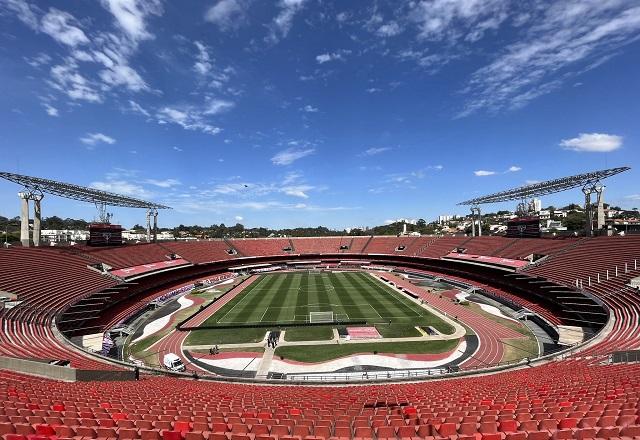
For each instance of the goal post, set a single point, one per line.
(315, 317)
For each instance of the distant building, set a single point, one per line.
(133, 235)
(544, 214)
(536, 205)
(64, 235)
(553, 225)
(165, 235)
(442, 219)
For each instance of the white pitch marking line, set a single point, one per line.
(241, 300)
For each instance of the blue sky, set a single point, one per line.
(306, 112)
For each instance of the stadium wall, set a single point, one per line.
(57, 372)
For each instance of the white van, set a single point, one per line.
(173, 362)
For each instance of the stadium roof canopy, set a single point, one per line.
(81, 193)
(548, 187)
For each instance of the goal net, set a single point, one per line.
(320, 317)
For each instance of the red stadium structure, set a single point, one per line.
(581, 393)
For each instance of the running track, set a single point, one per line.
(490, 350)
(172, 343)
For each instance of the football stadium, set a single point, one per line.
(503, 319)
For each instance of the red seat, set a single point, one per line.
(385, 432)
(106, 433)
(6, 428)
(630, 431)
(149, 434)
(508, 426)
(538, 435)
(340, 432)
(181, 426)
(568, 423)
(171, 435)
(447, 429)
(364, 432)
(279, 430)
(128, 433)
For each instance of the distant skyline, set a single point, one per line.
(293, 113)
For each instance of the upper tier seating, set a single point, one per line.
(204, 251)
(358, 244)
(45, 280)
(391, 245)
(129, 255)
(319, 245)
(261, 246)
(440, 246)
(487, 245)
(588, 258)
(523, 247)
(48, 278)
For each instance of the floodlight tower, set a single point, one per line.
(592, 211)
(152, 212)
(590, 183)
(36, 187)
(36, 195)
(476, 213)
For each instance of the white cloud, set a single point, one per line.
(405, 180)
(454, 20)
(166, 183)
(134, 106)
(227, 14)
(178, 149)
(297, 191)
(123, 75)
(63, 27)
(203, 64)
(593, 143)
(39, 60)
(25, 12)
(67, 79)
(291, 177)
(290, 155)
(51, 111)
(390, 29)
(216, 106)
(323, 58)
(373, 90)
(252, 190)
(188, 118)
(342, 17)
(130, 15)
(205, 68)
(374, 150)
(562, 41)
(484, 173)
(310, 109)
(239, 218)
(96, 138)
(511, 169)
(121, 187)
(332, 56)
(282, 23)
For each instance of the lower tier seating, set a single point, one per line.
(561, 400)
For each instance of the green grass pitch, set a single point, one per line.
(289, 297)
